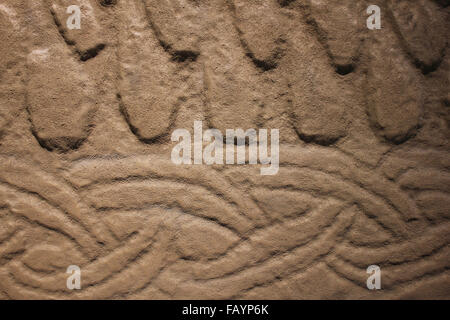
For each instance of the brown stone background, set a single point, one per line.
(85, 171)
